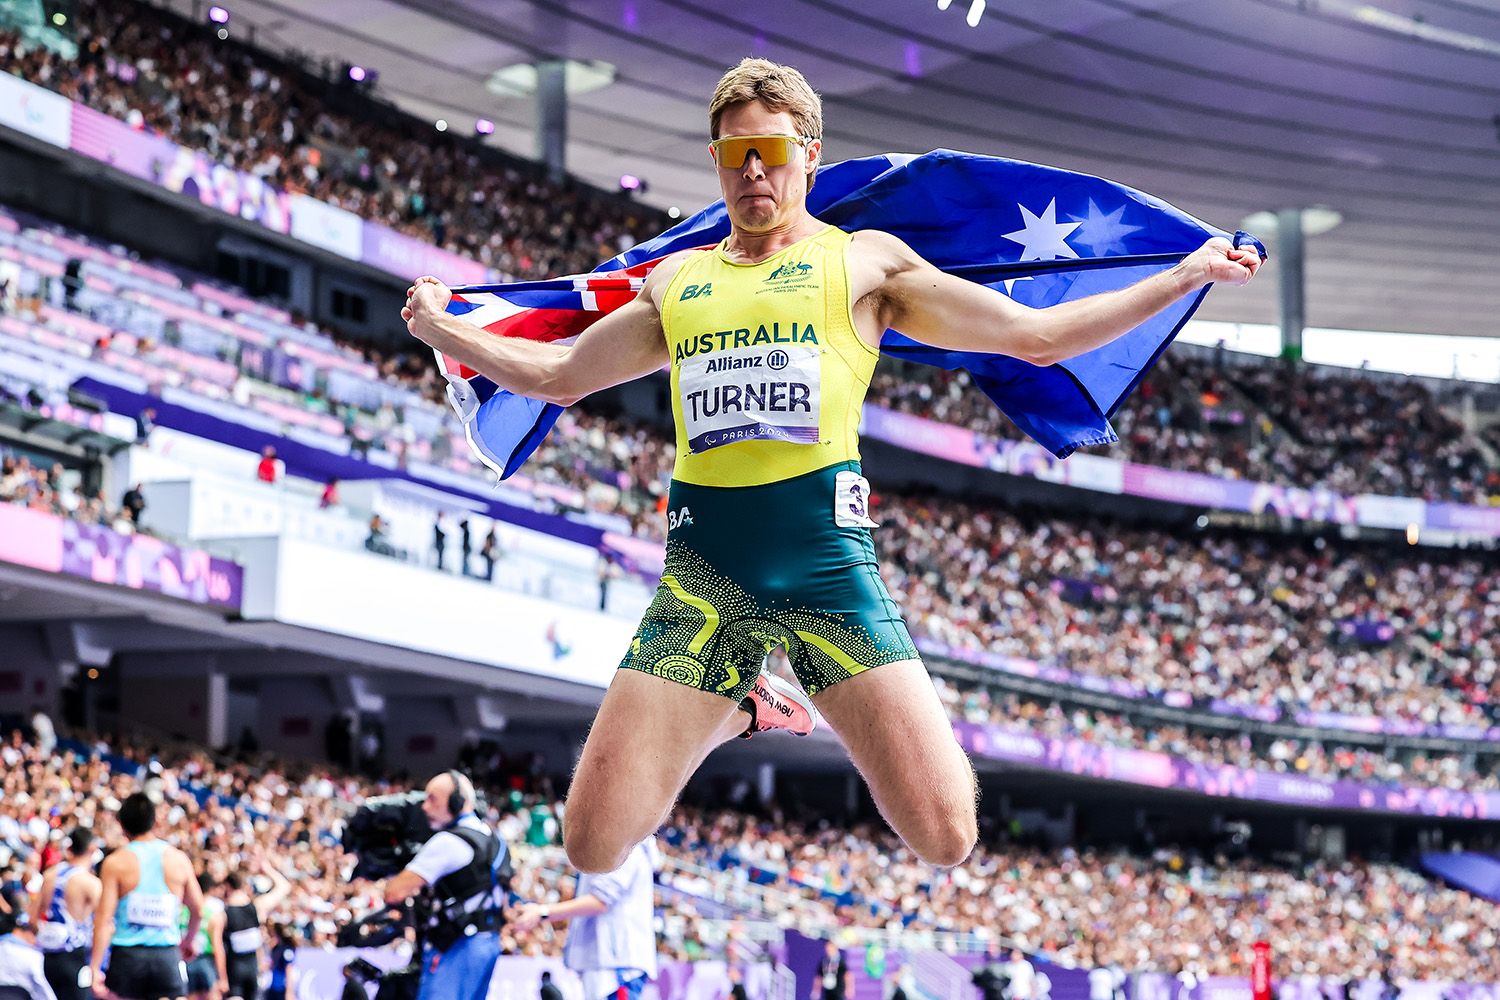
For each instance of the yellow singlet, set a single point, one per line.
(768, 374)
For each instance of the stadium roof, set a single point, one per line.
(1386, 111)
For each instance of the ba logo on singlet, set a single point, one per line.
(697, 291)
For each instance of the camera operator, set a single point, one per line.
(460, 878)
(993, 978)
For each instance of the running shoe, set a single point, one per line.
(777, 704)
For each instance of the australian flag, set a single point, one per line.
(1038, 234)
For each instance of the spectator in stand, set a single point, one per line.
(135, 502)
(439, 540)
(465, 547)
(72, 282)
(145, 423)
(376, 541)
(269, 469)
(489, 552)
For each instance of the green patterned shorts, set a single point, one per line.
(752, 568)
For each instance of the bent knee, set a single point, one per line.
(946, 842)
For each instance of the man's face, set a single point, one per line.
(761, 197)
(435, 806)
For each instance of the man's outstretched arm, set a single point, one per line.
(945, 311)
(624, 345)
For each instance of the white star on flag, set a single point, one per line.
(1043, 238)
(1101, 231)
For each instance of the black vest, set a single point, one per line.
(243, 917)
(446, 920)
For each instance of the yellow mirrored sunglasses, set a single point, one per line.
(773, 150)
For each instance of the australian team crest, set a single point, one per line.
(793, 272)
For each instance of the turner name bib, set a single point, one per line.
(751, 394)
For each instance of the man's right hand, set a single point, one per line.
(427, 297)
(527, 916)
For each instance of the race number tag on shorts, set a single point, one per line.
(245, 940)
(152, 909)
(51, 936)
(751, 394)
(851, 501)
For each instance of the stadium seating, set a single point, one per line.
(1074, 906)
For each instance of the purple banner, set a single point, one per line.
(109, 140)
(1160, 770)
(1121, 688)
(1117, 686)
(1192, 488)
(1162, 986)
(1359, 723)
(163, 162)
(1460, 517)
(320, 976)
(1260, 713)
(140, 562)
(705, 981)
(410, 258)
(1372, 632)
(1317, 504)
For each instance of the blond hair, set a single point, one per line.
(779, 88)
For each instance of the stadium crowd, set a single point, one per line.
(55, 490)
(247, 109)
(243, 106)
(1251, 620)
(1255, 420)
(1308, 757)
(1079, 906)
(1170, 911)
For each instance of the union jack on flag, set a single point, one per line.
(1069, 235)
(554, 311)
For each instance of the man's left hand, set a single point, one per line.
(1219, 260)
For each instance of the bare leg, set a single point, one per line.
(900, 739)
(649, 737)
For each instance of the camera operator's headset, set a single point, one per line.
(456, 797)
